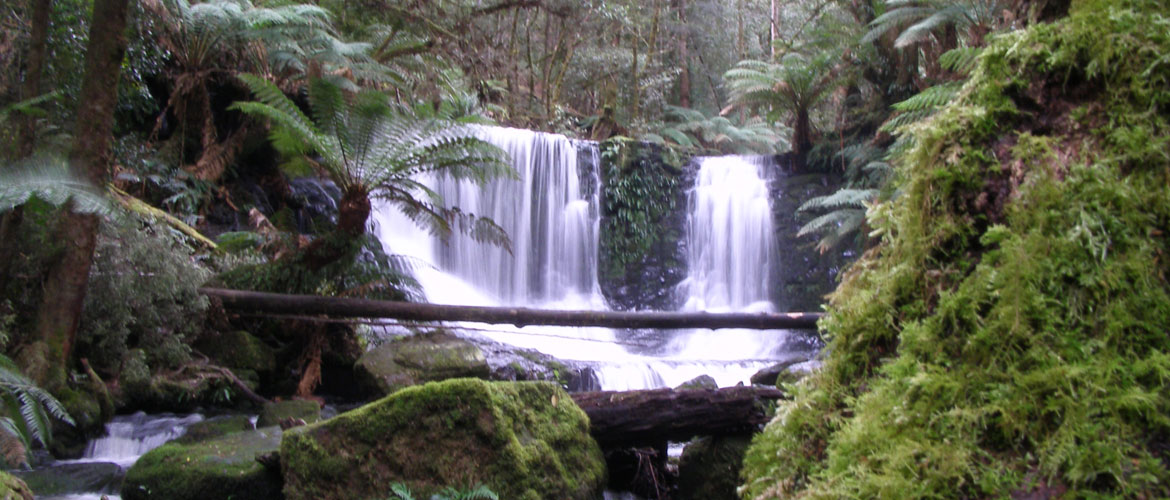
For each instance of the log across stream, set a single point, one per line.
(337, 307)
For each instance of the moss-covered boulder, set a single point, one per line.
(524, 440)
(12, 488)
(302, 409)
(215, 427)
(1007, 337)
(709, 468)
(238, 350)
(417, 359)
(224, 467)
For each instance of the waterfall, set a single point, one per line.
(551, 213)
(554, 239)
(729, 236)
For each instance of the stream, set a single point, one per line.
(552, 215)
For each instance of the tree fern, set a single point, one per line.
(399, 491)
(49, 179)
(367, 143)
(27, 408)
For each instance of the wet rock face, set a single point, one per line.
(418, 359)
(523, 440)
(224, 467)
(643, 225)
(72, 479)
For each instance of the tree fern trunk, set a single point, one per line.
(64, 294)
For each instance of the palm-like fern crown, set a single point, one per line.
(795, 82)
(917, 20)
(366, 143)
(281, 42)
(692, 129)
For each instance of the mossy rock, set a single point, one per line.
(273, 413)
(216, 427)
(1007, 336)
(417, 359)
(12, 488)
(223, 467)
(709, 468)
(239, 350)
(700, 382)
(524, 440)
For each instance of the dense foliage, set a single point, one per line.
(1006, 337)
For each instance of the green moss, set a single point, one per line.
(273, 413)
(224, 467)
(709, 467)
(215, 427)
(521, 439)
(12, 488)
(421, 358)
(239, 350)
(1008, 335)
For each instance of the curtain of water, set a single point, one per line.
(554, 240)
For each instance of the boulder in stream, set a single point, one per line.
(524, 440)
(223, 467)
(417, 359)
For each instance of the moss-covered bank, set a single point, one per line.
(524, 440)
(1008, 336)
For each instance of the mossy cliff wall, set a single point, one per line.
(643, 224)
(1008, 335)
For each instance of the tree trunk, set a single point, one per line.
(64, 294)
(801, 138)
(34, 70)
(10, 222)
(336, 307)
(636, 418)
(684, 57)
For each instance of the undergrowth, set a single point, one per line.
(1007, 337)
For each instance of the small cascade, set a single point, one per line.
(128, 437)
(99, 472)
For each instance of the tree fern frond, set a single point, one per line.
(49, 179)
(842, 198)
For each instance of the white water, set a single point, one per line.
(553, 226)
(128, 437)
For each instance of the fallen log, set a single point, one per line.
(637, 418)
(338, 307)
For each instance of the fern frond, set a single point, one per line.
(49, 179)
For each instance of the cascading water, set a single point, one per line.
(551, 215)
(99, 472)
(729, 237)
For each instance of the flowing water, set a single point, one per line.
(105, 461)
(551, 214)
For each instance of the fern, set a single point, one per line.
(399, 491)
(49, 179)
(28, 408)
(365, 142)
